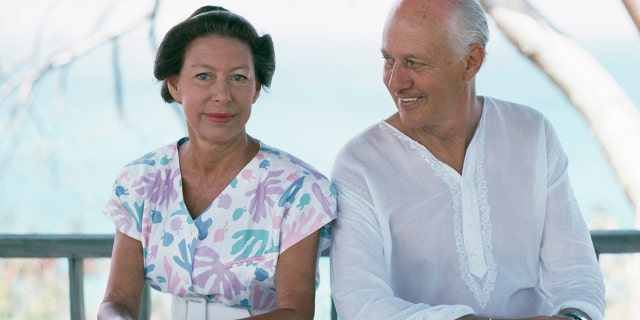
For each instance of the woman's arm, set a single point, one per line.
(126, 280)
(296, 281)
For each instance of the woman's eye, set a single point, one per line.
(238, 77)
(203, 76)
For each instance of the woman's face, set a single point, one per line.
(217, 87)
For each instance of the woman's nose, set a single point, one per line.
(221, 91)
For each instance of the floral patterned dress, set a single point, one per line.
(229, 253)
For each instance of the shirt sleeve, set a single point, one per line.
(569, 268)
(122, 208)
(360, 281)
(311, 206)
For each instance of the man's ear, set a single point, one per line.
(475, 59)
(172, 85)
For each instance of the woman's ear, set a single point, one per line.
(256, 95)
(172, 85)
(475, 59)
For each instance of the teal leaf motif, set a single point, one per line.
(247, 242)
(238, 213)
(186, 252)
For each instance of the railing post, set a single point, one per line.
(334, 312)
(145, 305)
(76, 288)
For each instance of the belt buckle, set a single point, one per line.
(196, 308)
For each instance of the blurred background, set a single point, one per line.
(77, 104)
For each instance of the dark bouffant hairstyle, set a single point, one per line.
(212, 20)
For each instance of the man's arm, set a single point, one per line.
(359, 273)
(570, 270)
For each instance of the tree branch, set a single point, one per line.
(609, 111)
(633, 7)
(24, 81)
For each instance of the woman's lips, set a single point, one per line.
(220, 117)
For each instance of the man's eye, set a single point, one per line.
(388, 62)
(414, 64)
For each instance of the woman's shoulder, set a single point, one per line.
(276, 159)
(163, 157)
(159, 156)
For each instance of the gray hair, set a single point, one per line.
(468, 24)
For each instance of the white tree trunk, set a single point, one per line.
(610, 112)
(633, 7)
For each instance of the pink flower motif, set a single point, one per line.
(276, 222)
(293, 176)
(173, 279)
(176, 225)
(296, 231)
(153, 252)
(247, 174)
(120, 216)
(219, 234)
(146, 230)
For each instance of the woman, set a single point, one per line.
(216, 217)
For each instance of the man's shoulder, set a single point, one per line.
(513, 110)
(366, 139)
(510, 106)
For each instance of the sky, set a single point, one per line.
(20, 19)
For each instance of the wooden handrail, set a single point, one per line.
(56, 246)
(77, 247)
(74, 247)
(616, 241)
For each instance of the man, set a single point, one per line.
(457, 206)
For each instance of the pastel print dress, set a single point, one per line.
(230, 252)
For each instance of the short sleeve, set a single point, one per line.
(123, 209)
(311, 206)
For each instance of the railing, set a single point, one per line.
(76, 248)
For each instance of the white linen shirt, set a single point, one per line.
(414, 239)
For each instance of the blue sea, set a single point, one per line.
(60, 155)
(58, 162)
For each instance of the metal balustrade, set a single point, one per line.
(77, 247)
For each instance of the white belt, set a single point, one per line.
(198, 308)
